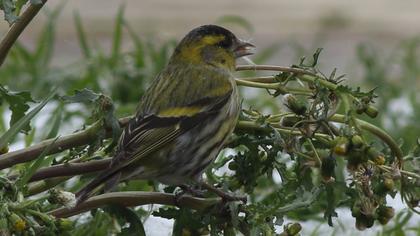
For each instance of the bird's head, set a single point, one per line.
(212, 45)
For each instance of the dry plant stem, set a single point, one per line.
(70, 169)
(63, 143)
(17, 28)
(136, 198)
(44, 185)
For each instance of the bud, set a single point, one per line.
(63, 198)
(341, 145)
(64, 224)
(389, 184)
(232, 165)
(357, 141)
(293, 229)
(18, 223)
(295, 105)
(371, 111)
(384, 214)
(4, 149)
(364, 221)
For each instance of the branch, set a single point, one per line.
(17, 28)
(136, 198)
(62, 143)
(70, 169)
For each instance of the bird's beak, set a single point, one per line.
(243, 48)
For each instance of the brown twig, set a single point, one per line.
(137, 198)
(17, 28)
(62, 143)
(70, 169)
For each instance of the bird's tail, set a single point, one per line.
(108, 179)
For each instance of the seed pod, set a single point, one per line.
(232, 165)
(341, 145)
(364, 221)
(389, 184)
(375, 156)
(293, 229)
(371, 111)
(357, 141)
(64, 224)
(384, 214)
(295, 105)
(18, 223)
(4, 149)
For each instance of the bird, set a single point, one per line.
(184, 117)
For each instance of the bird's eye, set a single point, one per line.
(225, 43)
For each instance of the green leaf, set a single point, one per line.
(127, 215)
(36, 164)
(116, 43)
(82, 96)
(55, 122)
(19, 5)
(17, 104)
(15, 128)
(139, 46)
(44, 49)
(81, 35)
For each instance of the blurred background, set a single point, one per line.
(375, 43)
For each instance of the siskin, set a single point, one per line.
(185, 116)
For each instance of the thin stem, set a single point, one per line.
(70, 169)
(17, 28)
(45, 185)
(137, 198)
(273, 68)
(252, 125)
(303, 74)
(389, 169)
(318, 159)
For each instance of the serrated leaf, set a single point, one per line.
(127, 215)
(82, 96)
(35, 165)
(8, 8)
(22, 122)
(17, 104)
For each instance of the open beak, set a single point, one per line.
(243, 48)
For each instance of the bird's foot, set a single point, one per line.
(186, 189)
